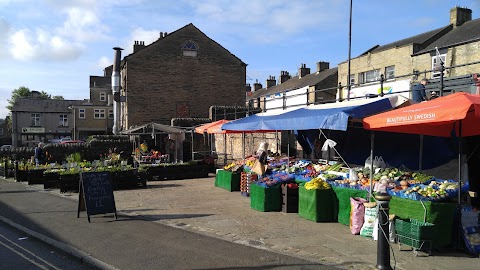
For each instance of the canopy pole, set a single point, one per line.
(420, 155)
(288, 150)
(460, 150)
(372, 142)
(193, 155)
(225, 147)
(243, 144)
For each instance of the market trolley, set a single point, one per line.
(415, 234)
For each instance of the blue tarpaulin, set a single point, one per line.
(333, 116)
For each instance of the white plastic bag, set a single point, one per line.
(378, 162)
(368, 162)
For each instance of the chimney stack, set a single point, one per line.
(284, 76)
(257, 86)
(321, 66)
(303, 71)
(116, 90)
(248, 88)
(138, 45)
(271, 81)
(460, 15)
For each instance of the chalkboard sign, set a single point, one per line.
(96, 194)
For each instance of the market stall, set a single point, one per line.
(456, 115)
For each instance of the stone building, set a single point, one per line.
(180, 75)
(403, 63)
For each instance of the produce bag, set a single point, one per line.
(258, 168)
(369, 219)
(378, 162)
(357, 212)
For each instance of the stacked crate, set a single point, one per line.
(246, 180)
(416, 234)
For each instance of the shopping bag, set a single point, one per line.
(258, 168)
(357, 212)
(368, 162)
(378, 162)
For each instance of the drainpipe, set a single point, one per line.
(116, 90)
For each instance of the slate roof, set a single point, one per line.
(44, 105)
(465, 33)
(296, 83)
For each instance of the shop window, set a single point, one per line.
(35, 119)
(63, 120)
(99, 114)
(390, 73)
(81, 113)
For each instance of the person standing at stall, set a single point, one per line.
(38, 154)
(262, 158)
(418, 94)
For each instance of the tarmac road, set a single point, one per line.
(130, 242)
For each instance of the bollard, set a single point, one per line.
(383, 245)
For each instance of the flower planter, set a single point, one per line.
(126, 179)
(21, 175)
(35, 177)
(51, 180)
(69, 182)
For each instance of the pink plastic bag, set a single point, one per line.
(357, 212)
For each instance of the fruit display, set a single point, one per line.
(317, 183)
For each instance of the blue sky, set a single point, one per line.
(55, 45)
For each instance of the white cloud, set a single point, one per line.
(104, 62)
(83, 25)
(139, 34)
(4, 32)
(26, 45)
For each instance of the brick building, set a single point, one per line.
(403, 63)
(180, 75)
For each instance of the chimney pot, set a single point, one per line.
(257, 86)
(271, 81)
(284, 76)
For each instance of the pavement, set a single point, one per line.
(196, 206)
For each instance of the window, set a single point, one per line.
(110, 114)
(189, 49)
(352, 79)
(81, 113)
(369, 76)
(390, 73)
(436, 65)
(99, 114)
(35, 119)
(103, 96)
(63, 120)
(1, 131)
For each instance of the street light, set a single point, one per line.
(71, 107)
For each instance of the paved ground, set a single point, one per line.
(197, 206)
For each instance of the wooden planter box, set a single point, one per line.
(51, 181)
(35, 177)
(127, 179)
(69, 182)
(178, 172)
(21, 175)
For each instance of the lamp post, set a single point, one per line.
(349, 87)
(74, 131)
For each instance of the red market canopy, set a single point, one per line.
(439, 117)
(216, 128)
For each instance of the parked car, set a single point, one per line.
(6, 146)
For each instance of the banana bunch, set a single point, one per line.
(229, 166)
(249, 163)
(317, 183)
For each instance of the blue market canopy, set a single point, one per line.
(333, 116)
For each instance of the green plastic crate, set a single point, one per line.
(402, 227)
(421, 230)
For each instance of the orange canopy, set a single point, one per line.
(216, 128)
(204, 128)
(438, 117)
